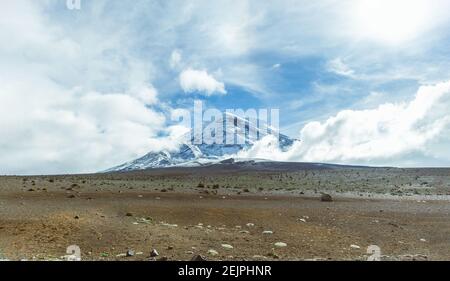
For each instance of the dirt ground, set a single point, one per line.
(185, 213)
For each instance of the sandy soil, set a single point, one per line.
(181, 215)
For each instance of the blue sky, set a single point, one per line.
(84, 90)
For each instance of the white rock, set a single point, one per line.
(280, 244)
(154, 253)
(227, 246)
(169, 225)
(250, 224)
(213, 252)
(355, 246)
(423, 240)
(267, 232)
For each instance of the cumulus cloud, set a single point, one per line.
(391, 133)
(200, 81)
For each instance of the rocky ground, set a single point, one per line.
(226, 214)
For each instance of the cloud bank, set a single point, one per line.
(58, 111)
(400, 133)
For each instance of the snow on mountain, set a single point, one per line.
(189, 154)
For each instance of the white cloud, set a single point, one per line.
(146, 94)
(387, 135)
(199, 80)
(339, 67)
(67, 105)
(175, 59)
(276, 66)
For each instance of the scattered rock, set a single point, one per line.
(76, 217)
(250, 224)
(413, 257)
(423, 240)
(154, 253)
(273, 255)
(198, 258)
(169, 225)
(213, 252)
(129, 214)
(353, 246)
(326, 198)
(227, 246)
(280, 244)
(267, 232)
(130, 253)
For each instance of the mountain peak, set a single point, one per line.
(244, 133)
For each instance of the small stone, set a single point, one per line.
(213, 252)
(198, 258)
(326, 198)
(280, 244)
(130, 253)
(154, 253)
(423, 240)
(227, 246)
(267, 232)
(273, 255)
(129, 214)
(76, 217)
(355, 246)
(250, 224)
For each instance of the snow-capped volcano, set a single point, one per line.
(243, 132)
